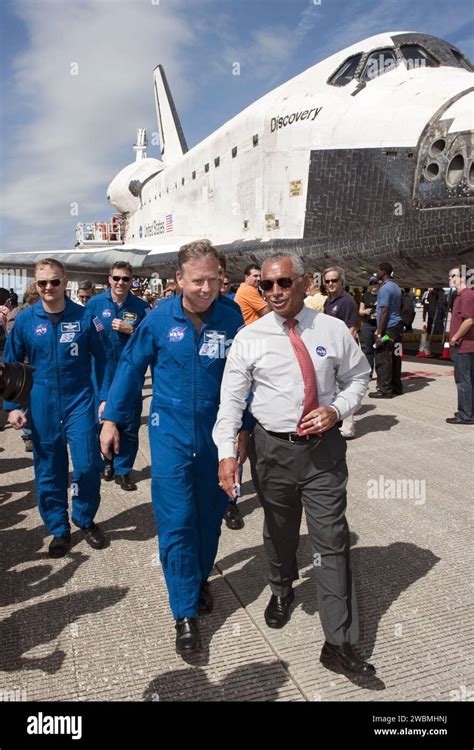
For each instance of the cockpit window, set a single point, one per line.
(417, 57)
(379, 62)
(346, 71)
(461, 60)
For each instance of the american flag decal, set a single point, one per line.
(169, 223)
(98, 324)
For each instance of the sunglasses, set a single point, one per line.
(331, 281)
(283, 283)
(43, 283)
(125, 279)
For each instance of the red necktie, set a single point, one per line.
(307, 370)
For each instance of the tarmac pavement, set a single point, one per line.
(95, 625)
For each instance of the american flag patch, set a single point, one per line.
(98, 324)
(169, 222)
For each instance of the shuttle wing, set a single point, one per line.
(80, 263)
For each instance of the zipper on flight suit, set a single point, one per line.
(197, 336)
(197, 339)
(115, 334)
(58, 381)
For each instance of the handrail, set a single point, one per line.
(99, 232)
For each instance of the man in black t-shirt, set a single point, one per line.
(368, 315)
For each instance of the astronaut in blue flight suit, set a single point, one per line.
(59, 342)
(121, 312)
(184, 340)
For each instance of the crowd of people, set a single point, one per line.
(274, 373)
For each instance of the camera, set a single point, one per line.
(16, 380)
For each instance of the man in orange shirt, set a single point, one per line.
(248, 297)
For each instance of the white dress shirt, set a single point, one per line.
(262, 361)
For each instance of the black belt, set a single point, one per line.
(293, 437)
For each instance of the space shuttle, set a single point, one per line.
(364, 157)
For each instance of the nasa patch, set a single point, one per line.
(129, 316)
(176, 334)
(107, 313)
(41, 329)
(321, 351)
(71, 327)
(66, 338)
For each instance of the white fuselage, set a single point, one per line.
(260, 193)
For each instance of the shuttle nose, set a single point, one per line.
(445, 171)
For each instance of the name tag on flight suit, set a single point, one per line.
(213, 344)
(130, 316)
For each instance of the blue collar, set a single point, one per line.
(178, 312)
(108, 294)
(41, 312)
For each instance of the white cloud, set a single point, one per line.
(74, 132)
(68, 150)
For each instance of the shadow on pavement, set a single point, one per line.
(375, 423)
(381, 574)
(136, 524)
(15, 464)
(415, 383)
(23, 545)
(255, 682)
(42, 623)
(15, 511)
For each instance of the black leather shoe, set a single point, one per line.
(206, 601)
(233, 519)
(93, 535)
(59, 545)
(125, 481)
(344, 659)
(458, 420)
(278, 611)
(377, 394)
(187, 636)
(109, 471)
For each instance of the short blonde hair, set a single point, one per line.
(50, 262)
(31, 294)
(195, 250)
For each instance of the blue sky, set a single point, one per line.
(64, 137)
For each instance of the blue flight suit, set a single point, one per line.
(187, 371)
(133, 310)
(62, 409)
